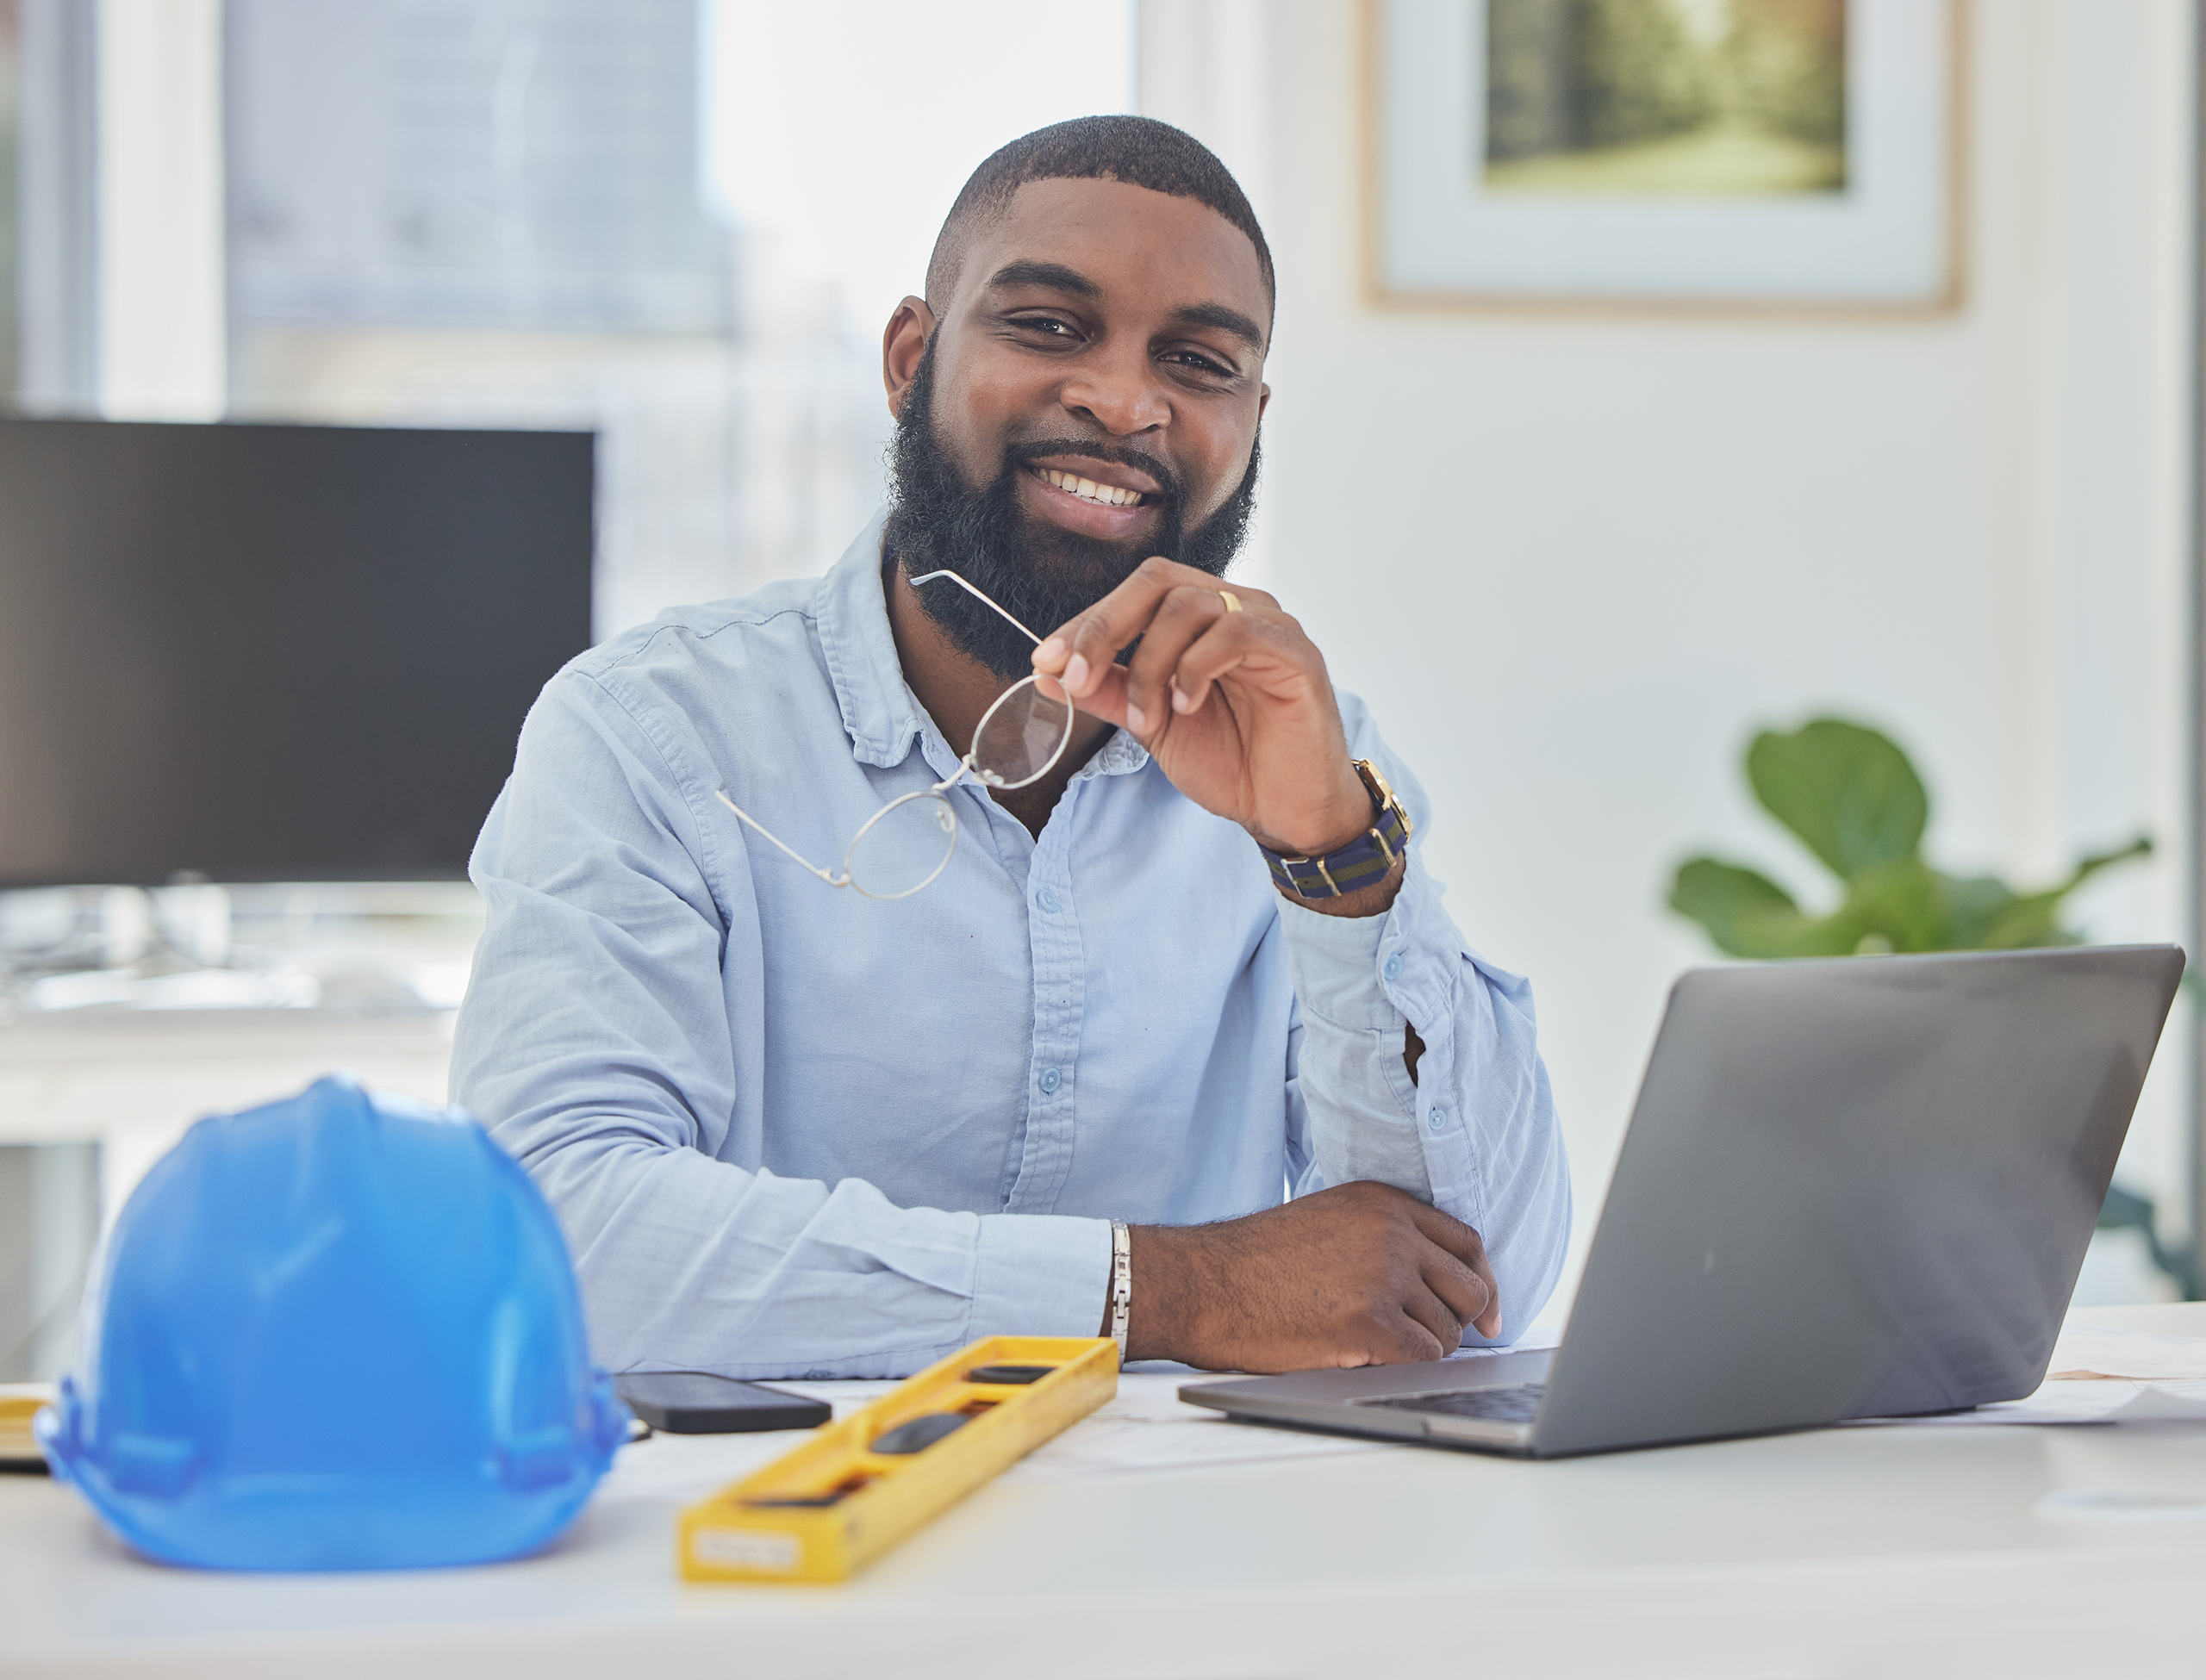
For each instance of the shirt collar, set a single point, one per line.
(879, 709)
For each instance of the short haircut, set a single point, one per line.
(1137, 150)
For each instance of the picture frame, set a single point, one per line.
(1472, 202)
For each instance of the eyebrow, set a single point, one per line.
(1029, 271)
(1225, 320)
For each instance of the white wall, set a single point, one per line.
(1573, 561)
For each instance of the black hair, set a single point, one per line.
(1137, 150)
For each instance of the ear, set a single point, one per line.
(902, 346)
(1263, 402)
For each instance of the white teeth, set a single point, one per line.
(1109, 495)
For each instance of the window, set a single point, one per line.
(683, 226)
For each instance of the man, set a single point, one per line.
(795, 1130)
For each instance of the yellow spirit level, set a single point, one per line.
(827, 1508)
(19, 1402)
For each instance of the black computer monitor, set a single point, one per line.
(252, 652)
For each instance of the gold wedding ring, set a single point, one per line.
(1232, 601)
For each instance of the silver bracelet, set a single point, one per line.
(1122, 1285)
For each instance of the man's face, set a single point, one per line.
(1098, 332)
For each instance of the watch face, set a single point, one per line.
(1382, 793)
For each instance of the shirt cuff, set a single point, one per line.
(1421, 953)
(1334, 964)
(1036, 1274)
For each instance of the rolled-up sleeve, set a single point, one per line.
(1476, 1133)
(599, 1041)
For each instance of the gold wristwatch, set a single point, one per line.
(1363, 862)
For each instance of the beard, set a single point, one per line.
(1042, 574)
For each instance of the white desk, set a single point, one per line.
(1885, 1551)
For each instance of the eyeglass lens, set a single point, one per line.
(1021, 736)
(905, 846)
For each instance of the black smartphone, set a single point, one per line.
(697, 1403)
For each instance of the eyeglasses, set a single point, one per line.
(907, 843)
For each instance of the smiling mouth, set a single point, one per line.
(1103, 495)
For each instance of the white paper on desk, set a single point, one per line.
(1148, 1427)
(2164, 1402)
(2088, 1401)
(1145, 1427)
(1534, 1341)
(2135, 1354)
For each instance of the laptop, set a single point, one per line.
(1858, 1187)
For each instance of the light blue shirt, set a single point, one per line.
(792, 1131)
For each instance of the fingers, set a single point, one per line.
(1461, 1266)
(1105, 698)
(1187, 620)
(1234, 639)
(1466, 1295)
(1431, 1331)
(1082, 649)
(1354, 1274)
(1448, 1232)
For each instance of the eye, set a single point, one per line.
(1199, 363)
(1051, 326)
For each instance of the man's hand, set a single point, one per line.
(1235, 707)
(1358, 1274)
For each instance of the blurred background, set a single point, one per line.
(1601, 544)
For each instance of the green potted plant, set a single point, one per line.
(1854, 800)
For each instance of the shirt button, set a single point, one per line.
(1049, 1082)
(1439, 1119)
(1393, 968)
(1047, 899)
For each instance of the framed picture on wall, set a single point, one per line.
(1725, 154)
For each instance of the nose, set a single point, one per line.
(1115, 386)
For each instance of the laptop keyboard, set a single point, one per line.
(1519, 1404)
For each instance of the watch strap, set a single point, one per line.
(1364, 862)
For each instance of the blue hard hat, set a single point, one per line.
(339, 1332)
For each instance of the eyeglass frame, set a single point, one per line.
(966, 766)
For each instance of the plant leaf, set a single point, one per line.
(1897, 906)
(1973, 905)
(2035, 919)
(2027, 922)
(2141, 847)
(1848, 792)
(1747, 914)
(1854, 800)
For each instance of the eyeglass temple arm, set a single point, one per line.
(721, 794)
(970, 589)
